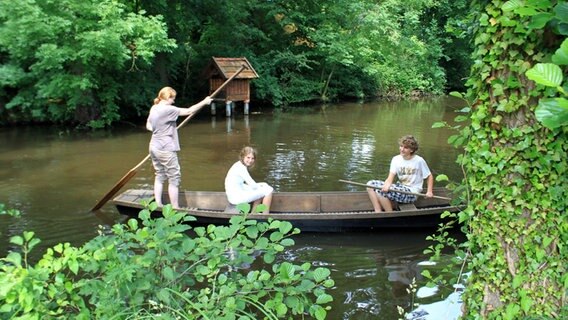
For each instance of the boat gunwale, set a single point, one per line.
(298, 215)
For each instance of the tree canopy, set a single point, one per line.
(95, 63)
(68, 61)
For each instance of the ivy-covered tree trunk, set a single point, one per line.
(516, 172)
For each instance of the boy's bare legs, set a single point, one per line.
(385, 203)
(374, 197)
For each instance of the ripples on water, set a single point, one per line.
(372, 270)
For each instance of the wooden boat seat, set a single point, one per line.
(406, 206)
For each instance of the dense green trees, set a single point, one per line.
(94, 63)
(73, 61)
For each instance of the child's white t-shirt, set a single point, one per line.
(410, 173)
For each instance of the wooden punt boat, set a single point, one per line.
(330, 211)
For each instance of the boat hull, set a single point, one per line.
(308, 211)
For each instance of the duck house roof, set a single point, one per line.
(220, 67)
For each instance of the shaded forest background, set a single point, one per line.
(95, 63)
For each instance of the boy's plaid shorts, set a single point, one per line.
(393, 195)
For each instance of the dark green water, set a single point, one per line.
(55, 177)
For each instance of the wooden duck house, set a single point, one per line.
(221, 69)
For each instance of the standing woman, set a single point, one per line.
(164, 143)
(241, 188)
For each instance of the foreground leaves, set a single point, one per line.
(150, 267)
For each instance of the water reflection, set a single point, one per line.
(372, 271)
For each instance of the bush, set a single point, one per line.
(154, 267)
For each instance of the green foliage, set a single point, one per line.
(411, 290)
(9, 212)
(68, 62)
(552, 112)
(514, 167)
(153, 268)
(384, 44)
(95, 63)
(284, 83)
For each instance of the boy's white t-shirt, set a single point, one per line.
(410, 173)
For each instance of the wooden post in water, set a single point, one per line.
(246, 111)
(228, 108)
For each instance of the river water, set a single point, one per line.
(55, 176)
